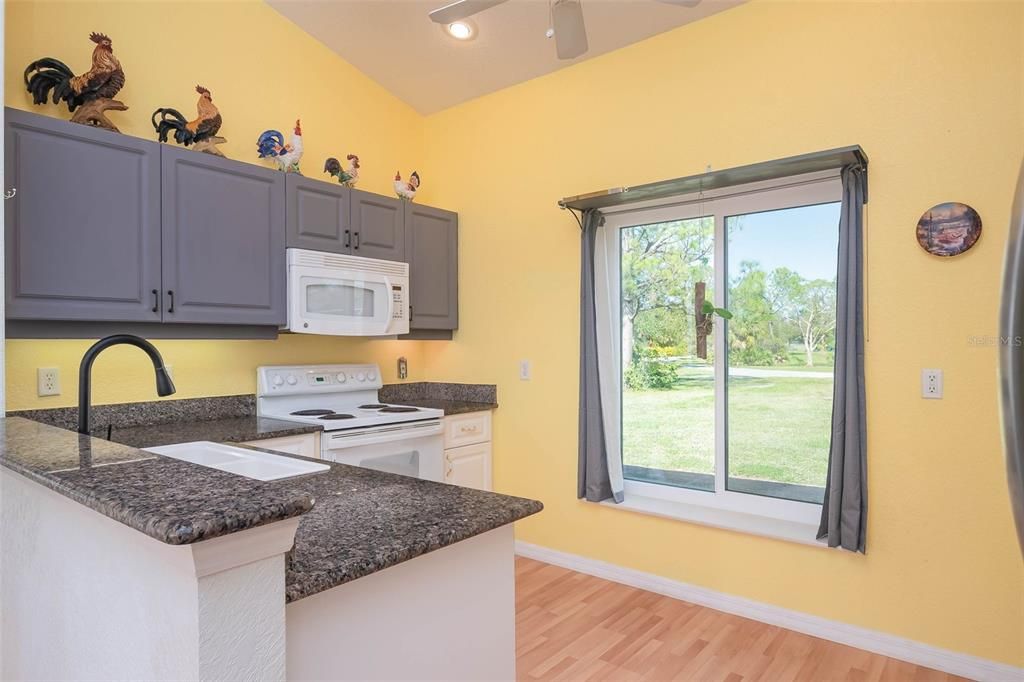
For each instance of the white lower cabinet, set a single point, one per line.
(469, 466)
(467, 454)
(305, 444)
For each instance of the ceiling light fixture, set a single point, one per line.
(461, 30)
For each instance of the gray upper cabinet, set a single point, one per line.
(318, 215)
(378, 226)
(83, 231)
(432, 249)
(223, 240)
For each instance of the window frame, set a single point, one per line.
(728, 507)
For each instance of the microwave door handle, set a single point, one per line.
(390, 295)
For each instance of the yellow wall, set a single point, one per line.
(933, 92)
(264, 72)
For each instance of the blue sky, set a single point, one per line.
(803, 239)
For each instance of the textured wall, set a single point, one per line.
(933, 92)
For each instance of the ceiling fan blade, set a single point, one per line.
(570, 33)
(460, 9)
(681, 3)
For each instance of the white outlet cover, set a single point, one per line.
(48, 380)
(931, 384)
(524, 370)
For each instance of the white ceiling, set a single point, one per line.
(395, 43)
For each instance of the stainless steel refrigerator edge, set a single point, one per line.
(1011, 358)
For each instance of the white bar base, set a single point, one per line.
(446, 615)
(85, 597)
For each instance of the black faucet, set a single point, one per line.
(164, 385)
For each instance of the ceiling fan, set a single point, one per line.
(566, 20)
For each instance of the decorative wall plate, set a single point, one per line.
(948, 229)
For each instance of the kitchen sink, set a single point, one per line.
(261, 466)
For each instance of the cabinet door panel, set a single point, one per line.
(318, 215)
(469, 466)
(432, 249)
(378, 226)
(223, 240)
(83, 231)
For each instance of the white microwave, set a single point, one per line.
(337, 295)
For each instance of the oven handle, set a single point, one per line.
(342, 440)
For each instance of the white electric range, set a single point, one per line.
(358, 430)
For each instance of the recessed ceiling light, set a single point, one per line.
(461, 30)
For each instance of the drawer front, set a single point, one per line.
(305, 444)
(467, 429)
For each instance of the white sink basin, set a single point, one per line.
(249, 463)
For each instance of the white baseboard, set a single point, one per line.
(907, 650)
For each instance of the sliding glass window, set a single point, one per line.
(727, 312)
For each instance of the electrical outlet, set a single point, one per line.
(931, 384)
(170, 371)
(403, 368)
(524, 370)
(48, 379)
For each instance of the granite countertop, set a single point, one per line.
(173, 501)
(365, 521)
(224, 430)
(453, 398)
(450, 406)
(362, 520)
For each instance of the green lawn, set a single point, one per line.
(778, 426)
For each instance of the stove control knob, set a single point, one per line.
(278, 380)
(372, 376)
(361, 376)
(341, 378)
(292, 380)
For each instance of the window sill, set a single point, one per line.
(742, 522)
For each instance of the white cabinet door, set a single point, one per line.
(305, 444)
(469, 466)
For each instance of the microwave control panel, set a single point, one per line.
(398, 297)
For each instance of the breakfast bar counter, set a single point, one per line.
(295, 540)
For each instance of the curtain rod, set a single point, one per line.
(725, 193)
(740, 175)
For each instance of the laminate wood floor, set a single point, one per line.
(572, 626)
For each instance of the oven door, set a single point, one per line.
(410, 449)
(340, 302)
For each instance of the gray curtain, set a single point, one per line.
(844, 512)
(594, 482)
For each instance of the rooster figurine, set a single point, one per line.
(271, 144)
(201, 131)
(407, 190)
(91, 94)
(347, 177)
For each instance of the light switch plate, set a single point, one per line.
(524, 370)
(48, 379)
(931, 384)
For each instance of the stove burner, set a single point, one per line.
(311, 413)
(334, 415)
(399, 408)
(375, 406)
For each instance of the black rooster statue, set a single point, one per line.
(200, 132)
(90, 94)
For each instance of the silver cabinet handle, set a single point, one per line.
(9, 194)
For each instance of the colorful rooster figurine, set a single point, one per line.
(347, 177)
(407, 190)
(201, 131)
(91, 94)
(271, 144)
